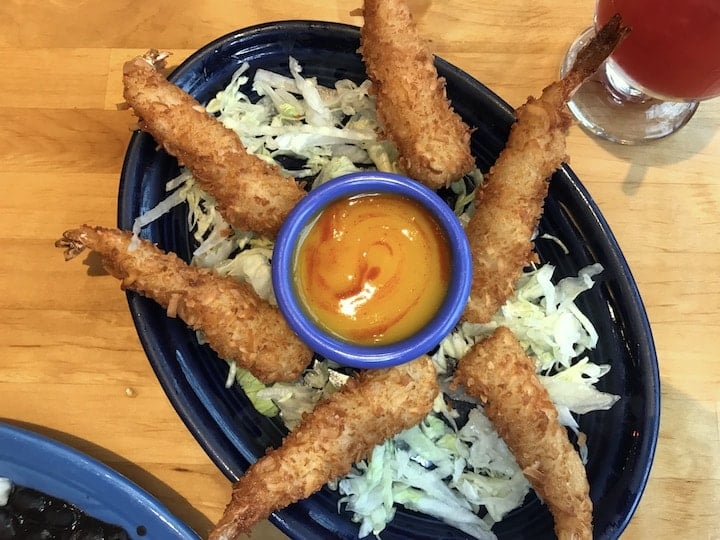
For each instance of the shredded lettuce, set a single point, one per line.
(542, 315)
(451, 466)
(393, 476)
(252, 387)
(574, 387)
(295, 399)
(297, 117)
(251, 265)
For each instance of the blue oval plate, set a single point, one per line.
(621, 441)
(40, 463)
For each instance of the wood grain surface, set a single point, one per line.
(71, 365)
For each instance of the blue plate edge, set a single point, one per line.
(47, 446)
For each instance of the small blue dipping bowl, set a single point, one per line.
(333, 347)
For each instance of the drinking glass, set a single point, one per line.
(652, 83)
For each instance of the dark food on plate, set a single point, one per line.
(237, 323)
(341, 430)
(498, 372)
(510, 202)
(250, 193)
(413, 111)
(33, 514)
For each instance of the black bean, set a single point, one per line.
(7, 526)
(33, 515)
(60, 516)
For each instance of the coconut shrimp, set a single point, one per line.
(250, 193)
(412, 108)
(341, 430)
(510, 202)
(237, 323)
(499, 373)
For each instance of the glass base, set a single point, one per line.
(610, 107)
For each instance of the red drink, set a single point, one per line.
(673, 49)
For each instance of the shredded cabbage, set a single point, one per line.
(542, 315)
(252, 387)
(295, 399)
(451, 466)
(574, 387)
(297, 117)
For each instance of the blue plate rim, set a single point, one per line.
(29, 449)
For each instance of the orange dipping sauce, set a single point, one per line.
(373, 268)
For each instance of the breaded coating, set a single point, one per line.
(341, 430)
(250, 193)
(510, 202)
(499, 373)
(412, 108)
(237, 323)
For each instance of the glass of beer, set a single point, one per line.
(652, 83)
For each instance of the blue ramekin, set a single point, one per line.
(335, 348)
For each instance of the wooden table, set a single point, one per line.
(71, 365)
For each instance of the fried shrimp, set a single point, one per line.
(341, 430)
(499, 373)
(237, 323)
(250, 193)
(413, 111)
(510, 202)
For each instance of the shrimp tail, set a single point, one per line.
(156, 59)
(73, 243)
(590, 57)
